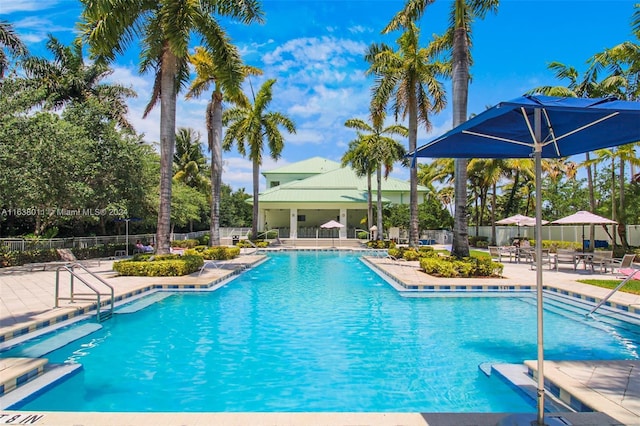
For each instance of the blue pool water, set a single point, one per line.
(318, 331)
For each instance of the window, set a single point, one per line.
(275, 183)
(302, 218)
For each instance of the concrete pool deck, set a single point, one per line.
(612, 388)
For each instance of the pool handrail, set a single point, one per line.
(100, 316)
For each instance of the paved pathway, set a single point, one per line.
(27, 298)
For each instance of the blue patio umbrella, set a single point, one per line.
(539, 127)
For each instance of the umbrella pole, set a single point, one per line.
(538, 227)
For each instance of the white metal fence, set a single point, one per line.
(570, 233)
(504, 236)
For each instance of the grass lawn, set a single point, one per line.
(632, 286)
(479, 253)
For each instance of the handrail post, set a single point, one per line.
(71, 289)
(57, 291)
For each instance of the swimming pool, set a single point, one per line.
(318, 331)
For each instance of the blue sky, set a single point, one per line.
(314, 48)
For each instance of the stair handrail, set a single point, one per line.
(70, 268)
(611, 293)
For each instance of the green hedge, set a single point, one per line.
(167, 265)
(450, 267)
(412, 253)
(185, 243)
(17, 258)
(381, 244)
(215, 253)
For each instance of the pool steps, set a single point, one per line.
(58, 340)
(49, 376)
(22, 366)
(518, 377)
(142, 303)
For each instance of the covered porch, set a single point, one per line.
(304, 222)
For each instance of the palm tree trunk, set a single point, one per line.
(214, 126)
(379, 201)
(622, 228)
(256, 176)
(369, 203)
(413, 170)
(460, 85)
(167, 144)
(494, 237)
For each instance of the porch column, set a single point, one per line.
(293, 224)
(343, 220)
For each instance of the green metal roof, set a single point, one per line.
(337, 185)
(288, 195)
(313, 165)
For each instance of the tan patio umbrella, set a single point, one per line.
(332, 224)
(584, 218)
(520, 220)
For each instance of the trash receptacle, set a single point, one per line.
(235, 239)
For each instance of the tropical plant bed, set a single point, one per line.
(162, 265)
(470, 267)
(632, 286)
(435, 263)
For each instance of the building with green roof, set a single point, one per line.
(304, 195)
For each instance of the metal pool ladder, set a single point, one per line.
(604, 300)
(95, 294)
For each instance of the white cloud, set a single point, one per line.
(313, 49)
(359, 29)
(26, 6)
(238, 172)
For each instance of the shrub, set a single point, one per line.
(451, 267)
(478, 241)
(410, 254)
(204, 240)
(394, 252)
(362, 235)
(220, 253)
(380, 244)
(168, 265)
(16, 258)
(271, 235)
(184, 243)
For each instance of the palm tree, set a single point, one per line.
(457, 40)
(360, 159)
(409, 76)
(164, 29)
(67, 78)
(226, 77)
(576, 87)
(381, 150)
(9, 40)
(248, 127)
(189, 162)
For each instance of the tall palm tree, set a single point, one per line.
(164, 29)
(409, 77)
(360, 159)
(67, 78)
(383, 151)
(227, 82)
(456, 40)
(10, 41)
(249, 127)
